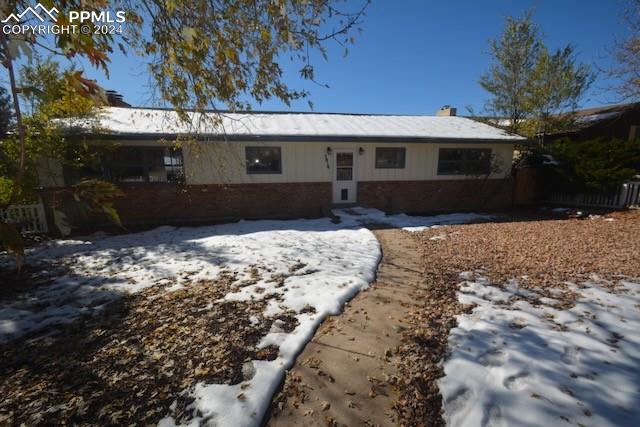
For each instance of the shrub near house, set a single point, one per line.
(596, 165)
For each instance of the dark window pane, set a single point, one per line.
(464, 161)
(174, 165)
(390, 157)
(344, 174)
(450, 167)
(129, 174)
(344, 159)
(130, 155)
(144, 164)
(344, 194)
(451, 154)
(263, 160)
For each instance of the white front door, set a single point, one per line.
(344, 176)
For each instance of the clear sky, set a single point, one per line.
(414, 56)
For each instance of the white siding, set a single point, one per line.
(307, 162)
(224, 162)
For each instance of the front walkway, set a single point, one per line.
(344, 375)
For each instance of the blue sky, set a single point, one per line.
(414, 56)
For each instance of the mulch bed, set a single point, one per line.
(540, 254)
(129, 364)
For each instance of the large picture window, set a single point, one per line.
(464, 161)
(130, 165)
(144, 164)
(263, 160)
(390, 157)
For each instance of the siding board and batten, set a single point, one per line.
(223, 162)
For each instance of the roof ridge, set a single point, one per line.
(191, 110)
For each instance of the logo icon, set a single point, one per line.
(43, 13)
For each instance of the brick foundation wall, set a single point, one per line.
(154, 204)
(171, 203)
(436, 196)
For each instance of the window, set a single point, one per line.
(344, 167)
(144, 164)
(390, 157)
(464, 161)
(263, 160)
(174, 165)
(130, 164)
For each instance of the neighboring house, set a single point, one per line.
(620, 121)
(283, 165)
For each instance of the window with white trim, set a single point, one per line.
(263, 160)
(390, 157)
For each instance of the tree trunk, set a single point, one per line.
(8, 63)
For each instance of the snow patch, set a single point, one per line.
(312, 267)
(519, 364)
(102, 268)
(368, 216)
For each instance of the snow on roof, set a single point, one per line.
(592, 118)
(142, 121)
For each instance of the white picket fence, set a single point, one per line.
(627, 196)
(632, 196)
(29, 218)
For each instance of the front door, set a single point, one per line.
(344, 176)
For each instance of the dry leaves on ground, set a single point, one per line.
(129, 364)
(538, 253)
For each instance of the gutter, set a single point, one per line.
(300, 138)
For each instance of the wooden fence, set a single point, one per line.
(628, 195)
(29, 218)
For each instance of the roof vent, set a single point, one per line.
(115, 99)
(446, 110)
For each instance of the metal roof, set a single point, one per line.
(144, 123)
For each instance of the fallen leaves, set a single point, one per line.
(540, 254)
(135, 363)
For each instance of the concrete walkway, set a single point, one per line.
(341, 377)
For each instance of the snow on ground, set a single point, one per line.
(513, 363)
(101, 268)
(323, 265)
(367, 216)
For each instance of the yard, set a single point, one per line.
(537, 322)
(199, 325)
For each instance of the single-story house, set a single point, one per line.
(283, 165)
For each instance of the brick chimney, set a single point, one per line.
(116, 100)
(446, 110)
